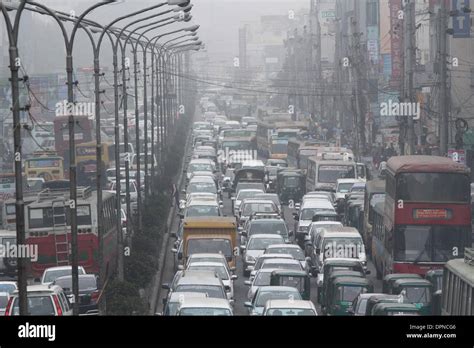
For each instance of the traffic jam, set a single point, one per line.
(273, 222)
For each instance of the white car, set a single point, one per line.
(343, 186)
(244, 194)
(50, 274)
(205, 307)
(255, 247)
(289, 308)
(262, 278)
(219, 268)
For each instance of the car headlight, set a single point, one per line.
(249, 258)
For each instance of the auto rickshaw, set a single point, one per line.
(330, 279)
(435, 277)
(392, 309)
(416, 291)
(294, 278)
(391, 278)
(385, 298)
(290, 185)
(342, 291)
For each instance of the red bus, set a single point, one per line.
(83, 130)
(47, 225)
(426, 216)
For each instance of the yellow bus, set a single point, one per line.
(46, 165)
(86, 152)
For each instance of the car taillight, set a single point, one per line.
(58, 306)
(95, 296)
(9, 305)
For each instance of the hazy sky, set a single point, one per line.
(219, 19)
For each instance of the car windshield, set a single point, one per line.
(268, 227)
(308, 213)
(250, 185)
(262, 279)
(7, 288)
(264, 296)
(251, 208)
(205, 311)
(262, 243)
(211, 291)
(85, 283)
(51, 276)
(215, 246)
(200, 167)
(297, 253)
(219, 269)
(417, 295)
(37, 305)
(247, 194)
(202, 210)
(201, 187)
(349, 293)
(290, 312)
(344, 187)
(290, 266)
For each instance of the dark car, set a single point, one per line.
(88, 292)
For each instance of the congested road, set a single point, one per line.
(240, 289)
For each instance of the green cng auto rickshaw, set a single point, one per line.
(343, 291)
(435, 277)
(381, 298)
(416, 291)
(293, 278)
(334, 264)
(391, 278)
(328, 282)
(393, 309)
(290, 185)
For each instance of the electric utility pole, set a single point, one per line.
(444, 88)
(410, 57)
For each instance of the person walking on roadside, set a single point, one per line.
(175, 194)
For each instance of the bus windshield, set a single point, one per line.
(237, 145)
(430, 243)
(43, 162)
(330, 173)
(433, 187)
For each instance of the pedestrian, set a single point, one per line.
(176, 195)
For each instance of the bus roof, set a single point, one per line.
(209, 222)
(424, 164)
(462, 269)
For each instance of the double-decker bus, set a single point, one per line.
(83, 130)
(458, 286)
(46, 165)
(47, 225)
(427, 215)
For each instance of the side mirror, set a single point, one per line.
(234, 277)
(174, 250)
(173, 235)
(250, 268)
(291, 233)
(248, 304)
(232, 198)
(165, 286)
(180, 267)
(243, 247)
(248, 282)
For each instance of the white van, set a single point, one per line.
(323, 174)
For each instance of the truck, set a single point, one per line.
(208, 235)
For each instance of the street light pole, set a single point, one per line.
(15, 63)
